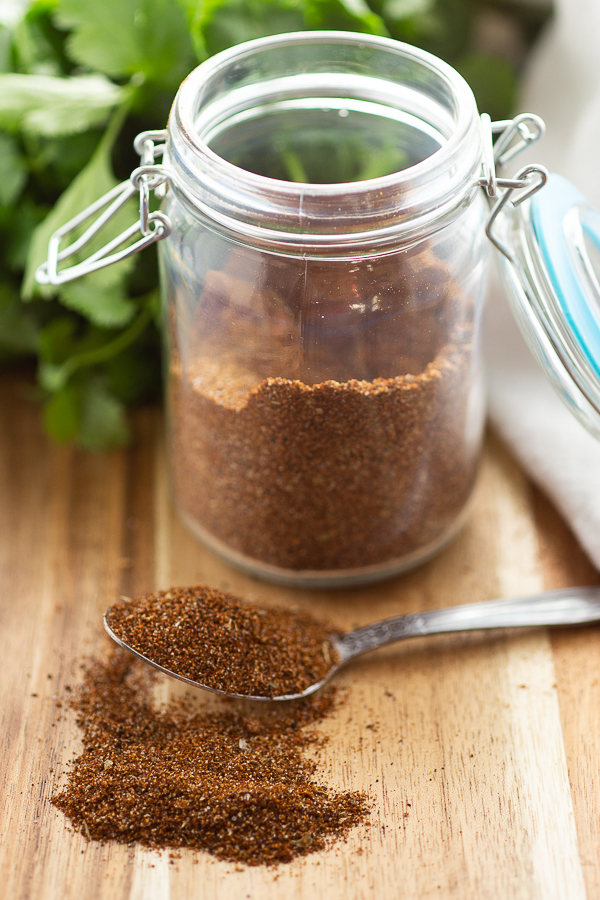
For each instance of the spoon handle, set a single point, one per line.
(569, 606)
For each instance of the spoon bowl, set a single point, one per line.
(569, 606)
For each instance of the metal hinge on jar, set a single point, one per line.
(515, 135)
(153, 226)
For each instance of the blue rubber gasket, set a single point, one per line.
(548, 210)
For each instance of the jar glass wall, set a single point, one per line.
(324, 390)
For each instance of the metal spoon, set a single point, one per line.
(570, 606)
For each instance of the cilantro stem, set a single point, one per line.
(108, 350)
(118, 117)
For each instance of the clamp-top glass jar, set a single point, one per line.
(324, 278)
(323, 272)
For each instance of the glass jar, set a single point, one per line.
(323, 283)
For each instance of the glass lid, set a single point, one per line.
(550, 254)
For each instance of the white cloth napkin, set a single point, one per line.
(562, 85)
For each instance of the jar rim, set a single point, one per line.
(211, 183)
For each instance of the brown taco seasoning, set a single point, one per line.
(233, 784)
(338, 443)
(217, 640)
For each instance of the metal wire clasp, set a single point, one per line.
(154, 226)
(515, 135)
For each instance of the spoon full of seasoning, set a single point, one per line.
(215, 641)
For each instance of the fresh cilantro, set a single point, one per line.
(103, 419)
(14, 170)
(95, 180)
(218, 24)
(51, 106)
(147, 38)
(343, 15)
(62, 414)
(78, 80)
(19, 330)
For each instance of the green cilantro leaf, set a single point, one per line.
(343, 15)
(405, 9)
(14, 171)
(58, 340)
(62, 414)
(126, 37)
(103, 418)
(19, 331)
(37, 46)
(95, 180)
(108, 307)
(50, 106)
(5, 49)
(62, 354)
(57, 161)
(443, 27)
(17, 224)
(218, 24)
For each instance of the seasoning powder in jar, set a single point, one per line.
(336, 475)
(325, 393)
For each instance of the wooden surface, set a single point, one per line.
(481, 751)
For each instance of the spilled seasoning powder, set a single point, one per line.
(217, 640)
(236, 786)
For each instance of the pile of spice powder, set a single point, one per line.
(325, 477)
(219, 641)
(307, 473)
(236, 786)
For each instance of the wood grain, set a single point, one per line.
(577, 666)
(480, 751)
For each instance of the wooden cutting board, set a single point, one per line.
(480, 751)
